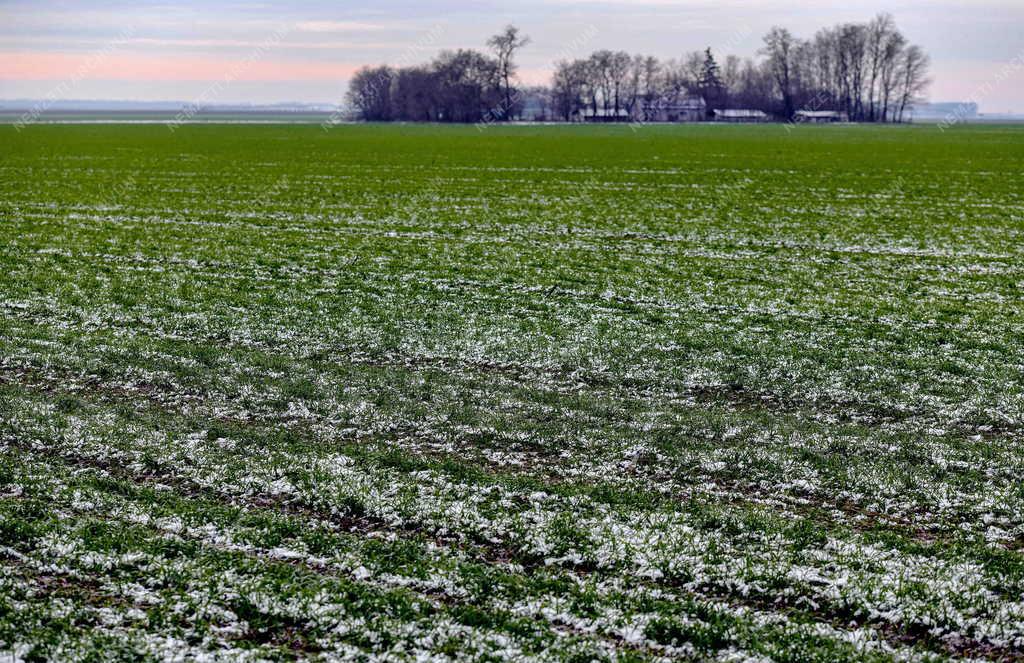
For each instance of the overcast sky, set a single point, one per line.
(305, 50)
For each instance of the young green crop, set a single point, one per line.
(553, 393)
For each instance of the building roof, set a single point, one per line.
(601, 112)
(820, 113)
(687, 103)
(740, 113)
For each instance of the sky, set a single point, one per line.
(304, 51)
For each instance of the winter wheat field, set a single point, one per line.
(561, 394)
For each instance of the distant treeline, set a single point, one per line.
(862, 71)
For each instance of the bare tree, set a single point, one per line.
(648, 71)
(889, 76)
(505, 44)
(369, 93)
(634, 85)
(569, 88)
(468, 85)
(865, 69)
(852, 51)
(674, 82)
(619, 66)
(755, 87)
(601, 79)
(913, 76)
(824, 69)
(880, 30)
(780, 49)
(731, 72)
(414, 95)
(539, 98)
(692, 68)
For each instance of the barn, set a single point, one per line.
(740, 115)
(688, 109)
(602, 115)
(820, 116)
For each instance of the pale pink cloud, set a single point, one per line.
(22, 66)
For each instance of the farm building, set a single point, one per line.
(820, 117)
(689, 109)
(605, 115)
(740, 115)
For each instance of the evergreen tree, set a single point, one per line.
(709, 73)
(710, 83)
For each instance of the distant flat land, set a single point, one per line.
(29, 116)
(557, 393)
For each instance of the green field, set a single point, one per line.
(551, 393)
